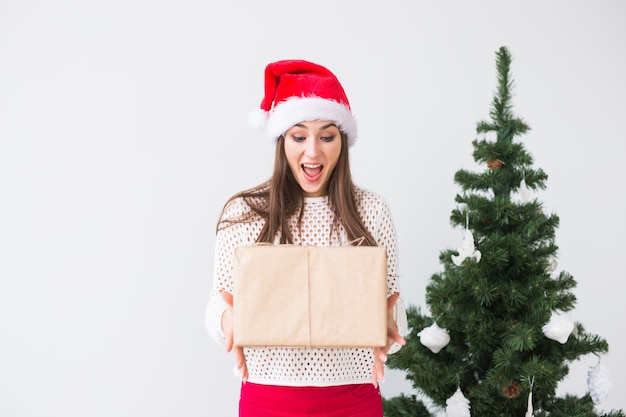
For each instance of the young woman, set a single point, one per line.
(310, 199)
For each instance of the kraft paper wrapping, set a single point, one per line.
(308, 296)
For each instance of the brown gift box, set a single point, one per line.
(309, 296)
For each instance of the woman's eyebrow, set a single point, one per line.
(326, 126)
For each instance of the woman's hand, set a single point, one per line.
(227, 326)
(380, 353)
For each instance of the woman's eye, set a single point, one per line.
(298, 138)
(328, 138)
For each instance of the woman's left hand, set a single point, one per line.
(380, 353)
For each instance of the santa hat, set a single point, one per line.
(297, 91)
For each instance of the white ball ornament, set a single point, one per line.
(559, 327)
(434, 337)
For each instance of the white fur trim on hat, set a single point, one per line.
(298, 109)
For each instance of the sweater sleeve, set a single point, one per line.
(385, 235)
(227, 239)
(216, 305)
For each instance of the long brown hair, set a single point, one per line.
(279, 198)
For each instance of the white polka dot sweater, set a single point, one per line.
(305, 366)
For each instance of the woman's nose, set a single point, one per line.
(312, 147)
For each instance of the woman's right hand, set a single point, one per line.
(227, 327)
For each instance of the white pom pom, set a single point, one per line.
(598, 381)
(257, 119)
(458, 405)
(466, 250)
(434, 337)
(559, 327)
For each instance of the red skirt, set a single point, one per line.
(358, 400)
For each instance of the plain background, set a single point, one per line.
(123, 130)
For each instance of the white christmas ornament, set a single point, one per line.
(529, 409)
(559, 327)
(599, 383)
(552, 264)
(434, 337)
(458, 405)
(466, 250)
(490, 135)
(525, 193)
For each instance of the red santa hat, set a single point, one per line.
(297, 91)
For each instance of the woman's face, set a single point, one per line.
(312, 149)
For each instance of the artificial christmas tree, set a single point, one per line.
(499, 321)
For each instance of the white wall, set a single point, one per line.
(123, 130)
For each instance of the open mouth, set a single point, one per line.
(312, 172)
